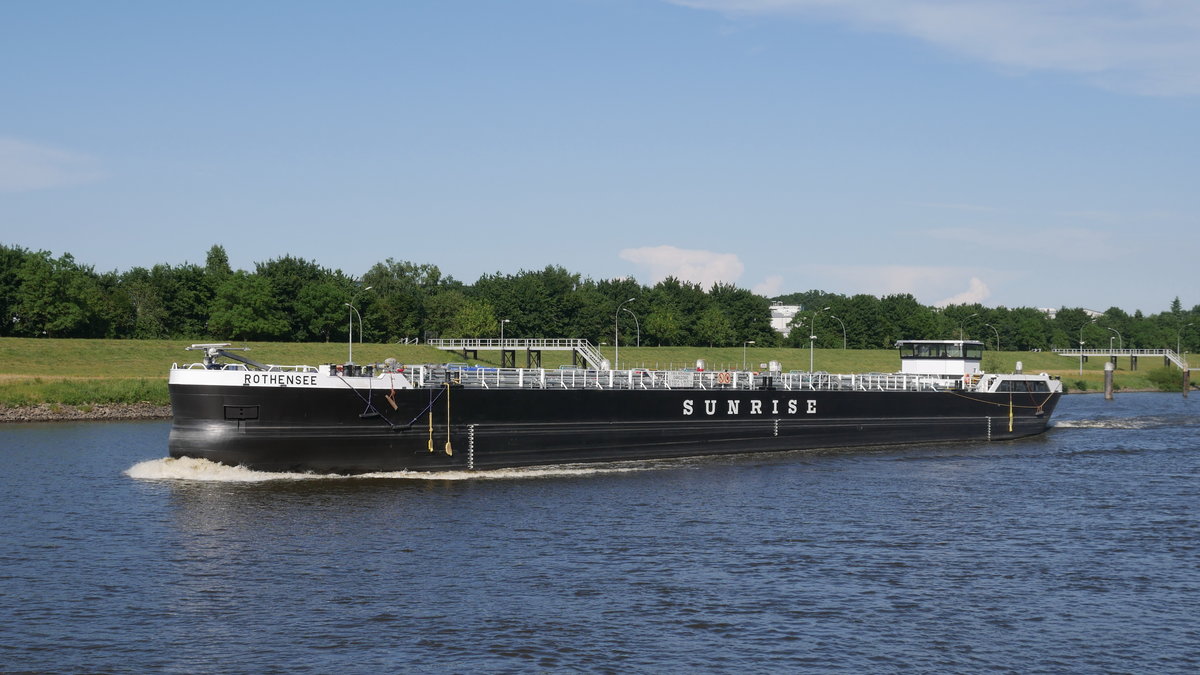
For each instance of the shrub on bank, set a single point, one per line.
(1166, 379)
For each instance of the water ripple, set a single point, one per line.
(1075, 551)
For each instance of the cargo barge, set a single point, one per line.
(344, 418)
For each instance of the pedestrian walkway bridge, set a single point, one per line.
(584, 353)
(1168, 356)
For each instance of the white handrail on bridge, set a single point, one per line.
(584, 347)
(1168, 354)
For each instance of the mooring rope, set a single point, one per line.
(370, 406)
(1010, 403)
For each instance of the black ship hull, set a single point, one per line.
(351, 430)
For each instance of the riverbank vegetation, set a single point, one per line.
(294, 300)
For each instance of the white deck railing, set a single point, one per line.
(579, 378)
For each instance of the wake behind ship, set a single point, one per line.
(392, 417)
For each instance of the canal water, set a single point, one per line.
(1075, 551)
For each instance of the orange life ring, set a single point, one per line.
(724, 378)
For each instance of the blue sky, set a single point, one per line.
(1010, 152)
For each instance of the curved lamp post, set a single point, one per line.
(747, 342)
(617, 335)
(636, 324)
(1081, 343)
(1120, 340)
(960, 326)
(502, 322)
(843, 330)
(997, 335)
(353, 311)
(812, 337)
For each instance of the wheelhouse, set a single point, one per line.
(940, 357)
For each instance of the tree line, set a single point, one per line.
(865, 321)
(292, 299)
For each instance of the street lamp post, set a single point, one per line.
(502, 322)
(617, 335)
(843, 330)
(747, 342)
(353, 311)
(1081, 343)
(350, 337)
(997, 335)
(1120, 341)
(960, 326)
(636, 324)
(812, 337)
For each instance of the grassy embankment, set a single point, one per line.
(96, 372)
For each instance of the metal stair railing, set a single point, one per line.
(590, 354)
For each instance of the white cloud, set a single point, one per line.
(920, 282)
(976, 292)
(25, 166)
(702, 267)
(1140, 46)
(886, 279)
(769, 286)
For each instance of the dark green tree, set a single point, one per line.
(56, 298)
(590, 321)
(664, 326)
(749, 314)
(1026, 329)
(715, 329)
(441, 310)
(475, 319)
(674, 306)
(216, 264)
(245, 308)
(903, 318)
(322, 311)
(1072, 325)
(395, 306)
(537, 304)
(863, 328)
(149, 313)
(11, 260)
(286, 278)
(187, 294)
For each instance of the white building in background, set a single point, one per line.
(782, 315)
(1051, 312)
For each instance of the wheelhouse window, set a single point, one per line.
(940, 350)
